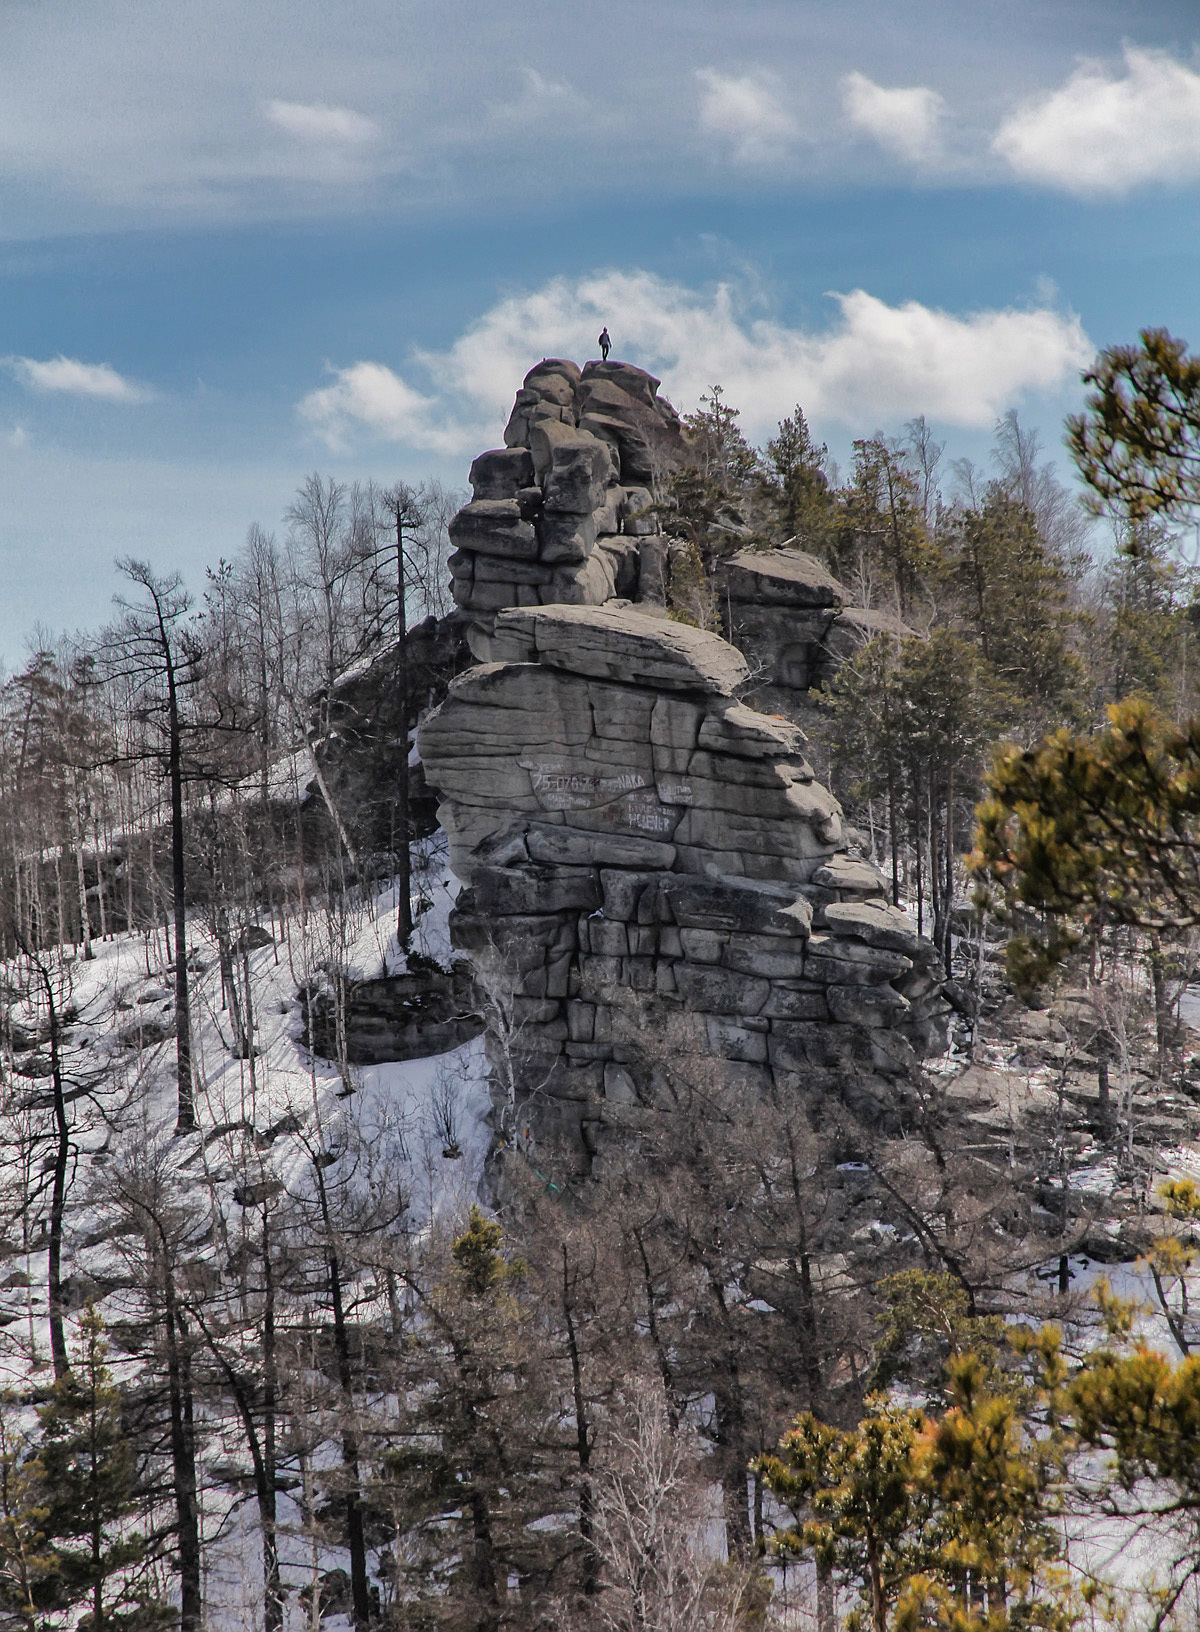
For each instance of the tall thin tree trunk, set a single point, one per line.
(583, 1445)
(58, 1188)
(183, 1454)
(404, 921)
(186, 1113)
(355, 1535)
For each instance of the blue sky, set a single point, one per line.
(241, 243)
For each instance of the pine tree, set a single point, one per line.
(1013, 596)
(796, 484)
(28, 1567)
(87, 1468)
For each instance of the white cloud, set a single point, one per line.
(1099, 133)
(875, 364)
(370, 397)
(73, 378)
(317, 122)
(744, 112)
(904, 120)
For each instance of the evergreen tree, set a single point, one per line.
(28, 1567)
(1147, 627)
(1137, 442)
(881, 545)
(851, 1496)
(1091, 831)
(87, 1469)
(708, 501)
(1013, 596)
(796, 484)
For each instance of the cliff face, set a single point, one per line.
(636, 845)
(643, 855)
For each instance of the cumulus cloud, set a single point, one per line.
(903, 119)
(1103, 133)
(73, 378)
(317, 122)
(875, 363)
(744, 112)
(370, 397)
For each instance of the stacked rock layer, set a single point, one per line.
(795, 618)
(633, 840)
(562, 514)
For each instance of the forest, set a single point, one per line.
(293, 1333)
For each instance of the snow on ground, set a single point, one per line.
(259, 1121)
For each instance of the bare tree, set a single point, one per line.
(149, 646)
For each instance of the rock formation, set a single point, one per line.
(561, 515)
(631, 837)
(635, 843)
(794, 617)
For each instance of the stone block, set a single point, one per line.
(730, 1039)
(849, 876)
(536, 1011)
(702, 945)
(746, 733)
(581, 1021)
(789, 1002)
(879, 925)
(582, 1052)
(652, 572)
(867, 1005)
(503, 890)
(784, 578)
(608, 937)
(623, 890)
(638, 974)
(501, 473)
(569, 1081)
(573, 846)
(643, 940)
(619, 1086)
(637, 515)
(768, 955)
(618, 643)
(720, 991)
(564, 538)
(675, 723)
(494, 569)
(596, 974)
(795, 1045)
(632, 447)
(607, 519)
(494, 527)
(730, 904)
(588, 585)
(563, 367)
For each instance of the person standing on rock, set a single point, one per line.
(604, 343)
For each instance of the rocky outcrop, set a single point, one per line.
(635, 841)
(562, 513)
(793, 617)
(412, 1016)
